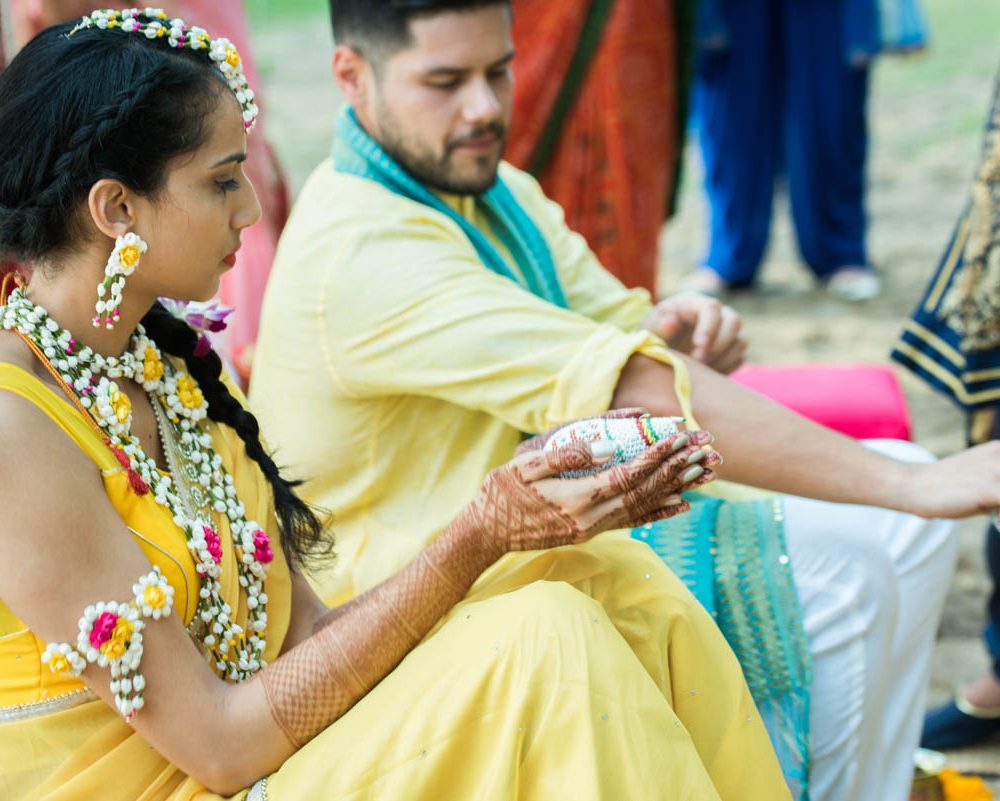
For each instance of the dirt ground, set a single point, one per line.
(926, 118)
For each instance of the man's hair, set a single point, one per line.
(378, 28)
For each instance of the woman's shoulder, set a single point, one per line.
(20, 369)
(33, 411)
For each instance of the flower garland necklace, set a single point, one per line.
(180, 406)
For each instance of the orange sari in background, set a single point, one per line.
(613, 162)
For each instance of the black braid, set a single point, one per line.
(92, 135)
(301, 529)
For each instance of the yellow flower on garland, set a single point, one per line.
(117, 643)
(189, 393)
(121, 405)
(59, 664)
(232, 57)
(154, 596)
(964, 788)
(152, 367)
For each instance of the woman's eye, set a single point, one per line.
(228, 185)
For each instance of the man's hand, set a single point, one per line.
(961, 485)
(701, 327)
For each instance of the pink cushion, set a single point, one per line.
(863, 401)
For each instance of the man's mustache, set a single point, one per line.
(496, 129)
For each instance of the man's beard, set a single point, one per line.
(436, 171)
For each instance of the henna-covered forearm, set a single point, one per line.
(356, 645)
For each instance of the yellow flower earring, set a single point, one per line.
(121, 264)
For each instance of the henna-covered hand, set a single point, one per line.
(525, 506)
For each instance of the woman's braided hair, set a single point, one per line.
(301, 529)
(108, 104)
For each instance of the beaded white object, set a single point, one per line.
(203, 486)
(630, 435)
(153, 23)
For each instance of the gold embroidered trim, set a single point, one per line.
(33, 709)
(971, 305)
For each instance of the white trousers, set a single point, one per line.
(872, 584)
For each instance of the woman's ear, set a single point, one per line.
(111, 206)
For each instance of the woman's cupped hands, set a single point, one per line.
(529, 504)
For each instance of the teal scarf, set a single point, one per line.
(355, 152)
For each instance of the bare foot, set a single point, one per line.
(984, 692)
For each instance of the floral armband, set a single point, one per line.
(111, 636)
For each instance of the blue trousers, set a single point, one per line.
(781, 99)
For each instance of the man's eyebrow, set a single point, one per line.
(458, 71)
(237, 158)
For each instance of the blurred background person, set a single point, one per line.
(781, 89)
(953, 343)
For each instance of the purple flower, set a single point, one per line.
(207, 317)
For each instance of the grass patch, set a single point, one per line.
(267, 12)
(963, 43)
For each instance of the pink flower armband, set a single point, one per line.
(111, 636)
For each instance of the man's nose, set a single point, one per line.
(480, 104)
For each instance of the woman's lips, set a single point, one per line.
(231, 259)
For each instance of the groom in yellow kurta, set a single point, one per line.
(387, 343)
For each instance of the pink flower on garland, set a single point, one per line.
(103, 628)
(213, 543)
(262, 547)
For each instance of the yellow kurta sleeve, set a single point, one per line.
(435, 323)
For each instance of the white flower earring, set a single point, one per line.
(121, 264)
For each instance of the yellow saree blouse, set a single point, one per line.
(586, 672)
(57, 740)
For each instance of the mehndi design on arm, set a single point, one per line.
(111, 636)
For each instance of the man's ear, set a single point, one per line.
(350, 70)
(111, 206)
